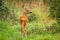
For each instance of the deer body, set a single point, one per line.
(24, 20)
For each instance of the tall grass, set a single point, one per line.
(7, 32)
(35, 31)
(40, 26)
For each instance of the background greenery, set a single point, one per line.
(44, 22)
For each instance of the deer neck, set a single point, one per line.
(24, 14)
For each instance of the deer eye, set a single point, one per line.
(27, 10)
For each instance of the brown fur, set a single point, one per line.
(24, 20)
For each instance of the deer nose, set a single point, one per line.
(30, 12)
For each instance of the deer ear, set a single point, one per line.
(26, 6)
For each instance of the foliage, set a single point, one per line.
(54, 9)
(4, 11)
(7, 32)
(35, 32)
(41, 25)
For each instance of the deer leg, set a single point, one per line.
(25, 24)
(22, 28)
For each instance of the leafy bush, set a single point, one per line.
(7, 32)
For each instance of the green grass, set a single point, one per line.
(41, 37)
(35, 31)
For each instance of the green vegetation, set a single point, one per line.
(34, 32)
(44, 22)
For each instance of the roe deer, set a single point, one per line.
(24, 20)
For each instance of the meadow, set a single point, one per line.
(43, 23)
(35, 31)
